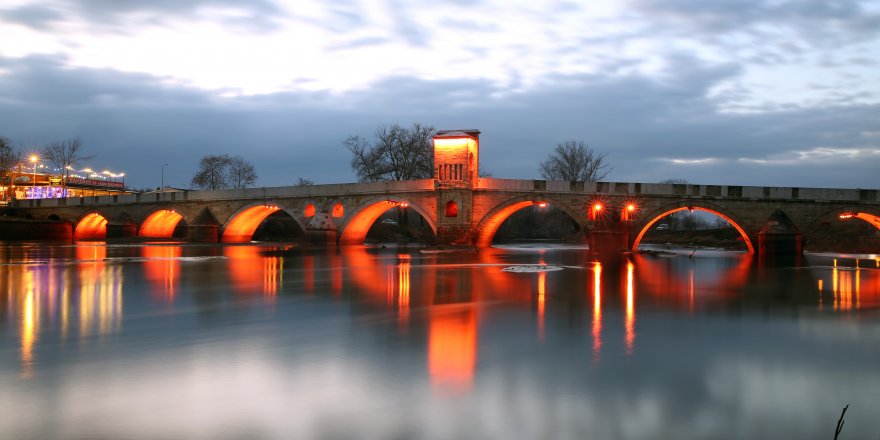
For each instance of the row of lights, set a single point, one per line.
(105, 174)
(597, 208)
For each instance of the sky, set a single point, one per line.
(741, 92)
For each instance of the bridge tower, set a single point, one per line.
(456, 170)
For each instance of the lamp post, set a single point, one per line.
(163, 177)
(34, 158)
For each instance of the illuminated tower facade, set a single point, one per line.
(456, 170)
(456, 158)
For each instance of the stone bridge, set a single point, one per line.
(461, 208)
(614, 214)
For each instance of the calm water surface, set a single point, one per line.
(281, 341)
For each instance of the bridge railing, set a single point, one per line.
(687, 190)
(331, 190)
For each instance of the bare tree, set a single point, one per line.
(303, 182)
(365, 160)
(574, 161)
(397, 154)
(240, 173)
(9, 157)
(212, 172)
(64, 155)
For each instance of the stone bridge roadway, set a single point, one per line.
(343, 213)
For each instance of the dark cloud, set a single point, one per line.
(119, 16)
(820, 22)
(34, 16)
(135, 123)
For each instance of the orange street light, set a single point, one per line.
(34, 159)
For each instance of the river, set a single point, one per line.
(173, 340)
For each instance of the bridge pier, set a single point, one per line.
(121, 230)
(605, 242)
(203, 233)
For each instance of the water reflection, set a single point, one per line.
(80, 296)
(630, 338)
(597, 312)
(162, 269)
(452, 348)
(332, 331)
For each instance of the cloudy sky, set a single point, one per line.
(752, 92)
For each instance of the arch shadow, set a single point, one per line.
(242, 224)
(489, 224)
(355, 227)
(90, 226)
(655, 216)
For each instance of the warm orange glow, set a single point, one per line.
(456, 142)
(630, 337)
(30, 324)
(309, 211)
(337, 211)
(34, 158)
(648, 226)
(595, 211)
(452, 349)
(542, 281)
(846, 215)
(451, 209)
(355, 230)
(628, 212)
(872, 219)
(160, 224)
(253, 273)
(162, 269)
(597, 311)
(490, 224)
(91, 227)
(542, 205)
(403, 288)
(242, 226)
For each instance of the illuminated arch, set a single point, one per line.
(870, 218)
(309, 210)
(91, 226)
(451, 209)
(656, 218)
(160, 224)
(241, 225)
(490, 223)
(355, 229)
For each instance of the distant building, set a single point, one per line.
(40, 182)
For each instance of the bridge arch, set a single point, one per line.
(90, 226)
(241, 225)
(489, 224)
(355, 226)
(691, 205)
(160, 223)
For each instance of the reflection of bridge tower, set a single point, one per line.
(456, 171)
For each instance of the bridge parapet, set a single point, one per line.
(687, 190)
(331, 190)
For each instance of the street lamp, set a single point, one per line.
(163, 177)
(34, 159)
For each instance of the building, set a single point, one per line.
(43, 182)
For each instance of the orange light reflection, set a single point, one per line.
(452, 349)
(162, 268)
(630, 338)
(542, 281)
(597, 311)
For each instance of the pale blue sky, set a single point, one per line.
(754, 92)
